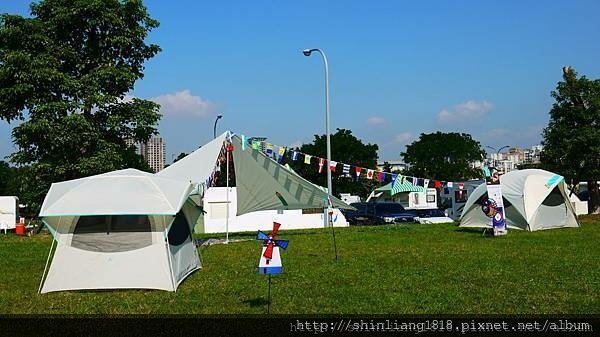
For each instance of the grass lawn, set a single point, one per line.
(398, 269)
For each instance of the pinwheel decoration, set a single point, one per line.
(270, 260)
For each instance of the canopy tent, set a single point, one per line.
(533, 200)
(197, 166)
(122, 229)
(264, 184)
(401, 187)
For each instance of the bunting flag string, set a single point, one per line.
(278, 153)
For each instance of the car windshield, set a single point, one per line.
(389, 207)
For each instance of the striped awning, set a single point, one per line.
(400, 187)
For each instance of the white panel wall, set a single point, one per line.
(215, 205)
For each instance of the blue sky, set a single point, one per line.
(397, 68)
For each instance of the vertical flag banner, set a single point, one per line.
(379, 176)
(426, 183)
(321, 164)
(295, 155)
(449, 185)
(493, 207)
(394, 177)
(269, 149)
(307, 159)
(346, 169)
(332, 165)
(357, 170)
(369, 174)
(415, 181)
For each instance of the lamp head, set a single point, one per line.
(219, 116)
(306, 52)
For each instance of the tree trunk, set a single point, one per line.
(594, 197)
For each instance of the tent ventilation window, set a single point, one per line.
(117, 233)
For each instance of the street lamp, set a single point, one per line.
(215, 127)
(497, 152)
(307, 52)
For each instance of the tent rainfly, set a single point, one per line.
(264, 184)
(122, 229)
(533, 200)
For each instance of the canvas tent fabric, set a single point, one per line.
(118, 230)
(198, 166)
(534, 200)
(264, 184)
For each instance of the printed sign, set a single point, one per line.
(493, 207)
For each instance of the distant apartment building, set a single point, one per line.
(154, 151)
(513, 157)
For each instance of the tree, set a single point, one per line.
(68, 68)
(347, 149)
(444, 156)
(180, 156)
(573, 133)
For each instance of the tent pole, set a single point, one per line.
(46, 266)
(333, 232)
(169, 255)
(227, 200)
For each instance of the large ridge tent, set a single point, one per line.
(533, 200)
(264, 184)
(259, 179)
(122, 229)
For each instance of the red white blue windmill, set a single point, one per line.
(270, 260)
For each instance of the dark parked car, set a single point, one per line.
(372, 213)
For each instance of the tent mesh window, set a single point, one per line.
(117, 233)
(179, 232)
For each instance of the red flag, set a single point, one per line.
(437, 184)
(332, 165)
(379, 176)
(357, 170)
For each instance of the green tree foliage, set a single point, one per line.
(65, 70)
(572, 137)
(444, 156)
(347, 149)
(6, 176)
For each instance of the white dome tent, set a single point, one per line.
(119, 230)
(533, 199)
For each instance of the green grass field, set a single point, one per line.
(399, 269)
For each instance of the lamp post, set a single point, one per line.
(497, 152)
(215, 127)
(307, 52)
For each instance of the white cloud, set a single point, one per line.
(376, 121)
(183, 103)
(403, 138)
(127, 98)
(467, 111)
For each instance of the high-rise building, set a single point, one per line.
(154, 152)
